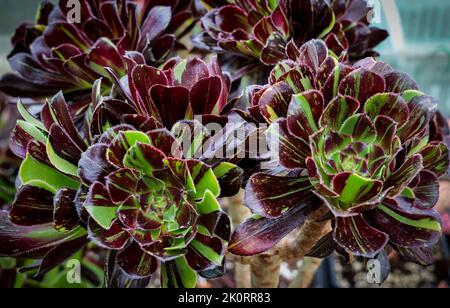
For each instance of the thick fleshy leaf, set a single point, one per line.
(121, 184)
(257, 235)
(191, 135)
(426, 190)
(324, 247)
(205, 95)
(273, 50)
(360, 128)
(129, 212)
(317, 178)
(35, 173)
(171, 102)
(115, 277)
(60, 254)
(387, 104)
(270, 196)
(62, 152)
(65, 213)
(178, 274)
(103, 54)
(331, 87)
(362, 84)
(386, 130)
(99, 205)
(144, 157)
(405, 174)
(333, 143)
(358, 238)
(355, 189)
(33, 241)
(421, 111)
(60, 114)
(158, 19)
(274, 102)
(337, 111)
(143, 78)
(217, 223)
(292, 150)
(115, 238)
(436, 158)
(136, 262)
(300, 79)
(214, 272)
(398, 82)
(93, 165)
(205, 252)
(189, 72)
(203, 178)
(180, 171)
(304, 113)
(165, 252)
(21, 136)
(32, 206)
(122, 143)
(424, 256)
(230, 178)
(313, 54)
(165, 141)
(407, 227)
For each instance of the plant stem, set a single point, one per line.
(306, 272)
(266, 270)
(308, 235)
(266, 267)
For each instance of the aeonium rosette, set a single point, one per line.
(357, 139)
(129, 191)
(153, 206)
(66, 51)
(159, 97)
(260, 30)
(190, 97)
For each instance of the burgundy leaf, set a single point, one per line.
(205, 95)
(357, 237)
(32, 206)
(31, 242)
(136, 262)
(93, 165)
(65, 213)
(255, 236)
(171, 102)
(270, 196)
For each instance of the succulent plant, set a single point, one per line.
(155, 98)
(55, 53)
(152, 206)
(189, 97)
(355, 138)
(260, 30)
(129, 191)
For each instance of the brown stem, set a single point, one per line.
(306, 272)
(266, 267)
(266, 270)
(238, 213)
(308, 235)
